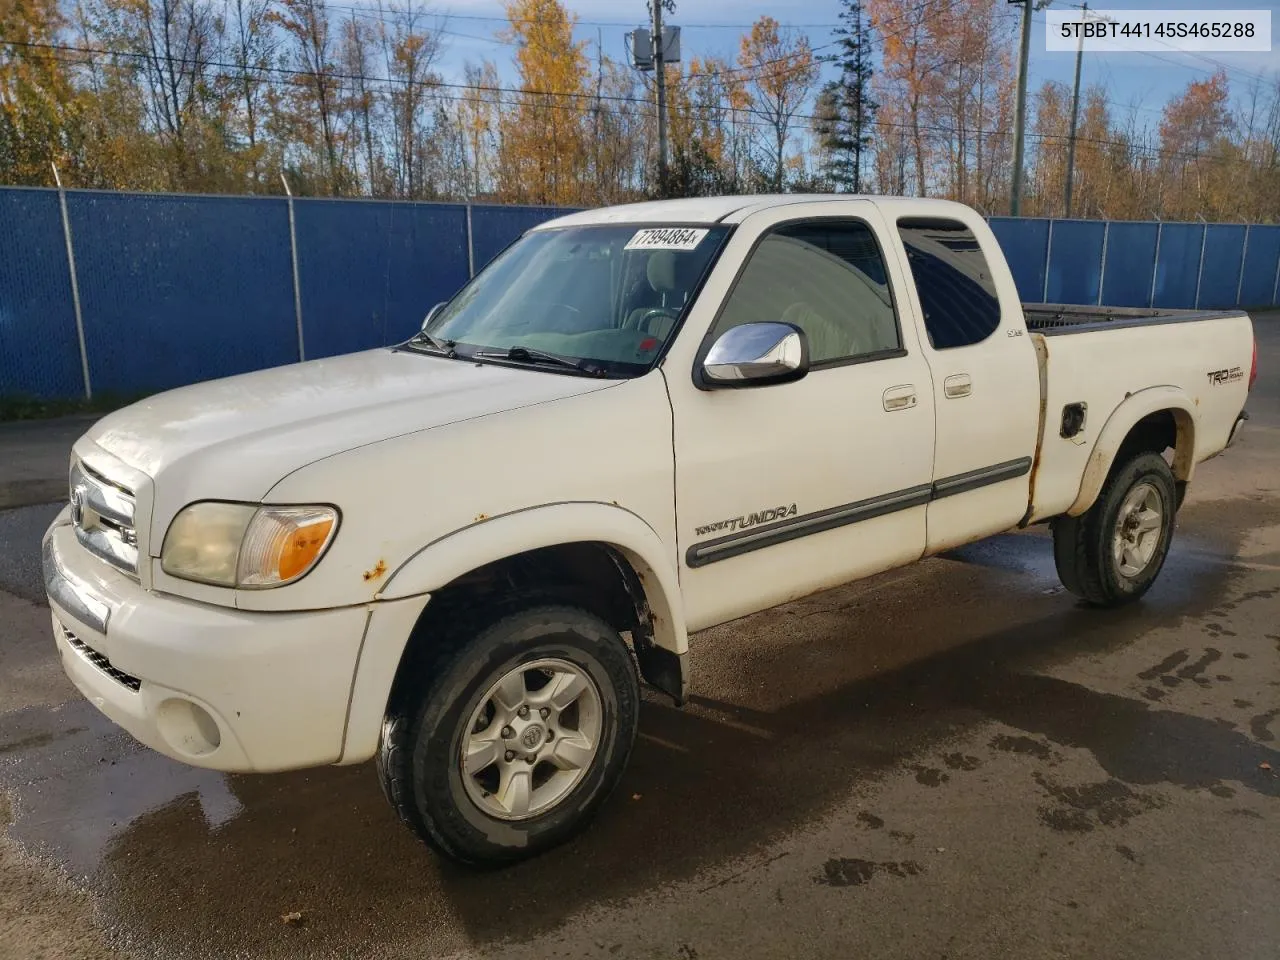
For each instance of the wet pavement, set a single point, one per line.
(951, 760)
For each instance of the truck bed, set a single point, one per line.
(1053, 319)
(1125, 351)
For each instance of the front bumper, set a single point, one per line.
(210, 686)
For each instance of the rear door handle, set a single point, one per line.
(901, 397)
(958, 385)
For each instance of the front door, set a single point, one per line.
(786, 489)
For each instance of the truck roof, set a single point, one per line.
(723, 209)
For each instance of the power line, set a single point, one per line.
(601, 23)
(310, 79)
(381, 17)
(1191, 53)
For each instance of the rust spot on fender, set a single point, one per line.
(376, 572)
(480, 517)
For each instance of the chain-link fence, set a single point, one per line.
(129, 293)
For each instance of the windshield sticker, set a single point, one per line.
(666, 238)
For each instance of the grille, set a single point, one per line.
(101, 662)
(103, 515)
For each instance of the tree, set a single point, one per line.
(847, 106)
(251, 47)
(544, 147)
(170, 47)
(38, 103)
(1193, 132)
(410, 52)
(314, 95)
(622, 137)
(362, 101)
(698, 106)
(782, 72)
(1049, 162)
(479, 116)
(909, 67)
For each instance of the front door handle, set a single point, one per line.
(901, 397)
(958, 385)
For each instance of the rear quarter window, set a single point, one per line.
(953, 281)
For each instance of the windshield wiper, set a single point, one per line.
(529, 355)
(443, 346)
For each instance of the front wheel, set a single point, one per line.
(1111, 554)
(515, 740)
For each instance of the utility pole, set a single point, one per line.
(1020, 110)
(1075, 112)
(660, 78)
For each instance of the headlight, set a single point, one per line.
(242, 545)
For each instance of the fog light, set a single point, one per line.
(188, 727)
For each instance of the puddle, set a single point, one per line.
(81, 783)
(190, 858)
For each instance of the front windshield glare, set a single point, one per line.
(607, 294)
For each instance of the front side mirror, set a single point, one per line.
(754, 354)
(431, 314)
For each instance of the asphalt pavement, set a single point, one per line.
(35, 456)
(951, 760)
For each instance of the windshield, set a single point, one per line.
(607, 296)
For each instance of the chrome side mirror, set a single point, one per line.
(754, 354)
(431, 314)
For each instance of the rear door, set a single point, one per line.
(985, 377)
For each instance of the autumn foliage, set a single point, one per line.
(916, 98)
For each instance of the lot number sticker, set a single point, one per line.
(666, 238)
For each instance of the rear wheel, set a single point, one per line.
(516, 739)
(1111, 554)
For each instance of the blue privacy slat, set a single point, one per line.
(177, 289)
(1024, 243)
(1220, 278)
(1178, 265)
(370, 270)
(1259, 284)
(492, 228)
(1075, 256)
(1131, 257)
(39, 352)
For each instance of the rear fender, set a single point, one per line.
(1117, 428)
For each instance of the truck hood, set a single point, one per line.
(237, 437)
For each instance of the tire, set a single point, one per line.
(478, 818)
(1084, 547)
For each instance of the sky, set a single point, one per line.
(714, 27)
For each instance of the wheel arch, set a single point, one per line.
(600, 556)
(1152, 420)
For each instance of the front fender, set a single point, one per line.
(1116, 429)
(407, 590)
(495, 538)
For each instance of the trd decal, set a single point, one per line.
(750, 520)
(1231, 375)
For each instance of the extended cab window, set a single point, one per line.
(826, 277)
(953, 281)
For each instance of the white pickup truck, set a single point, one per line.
(461, 555)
